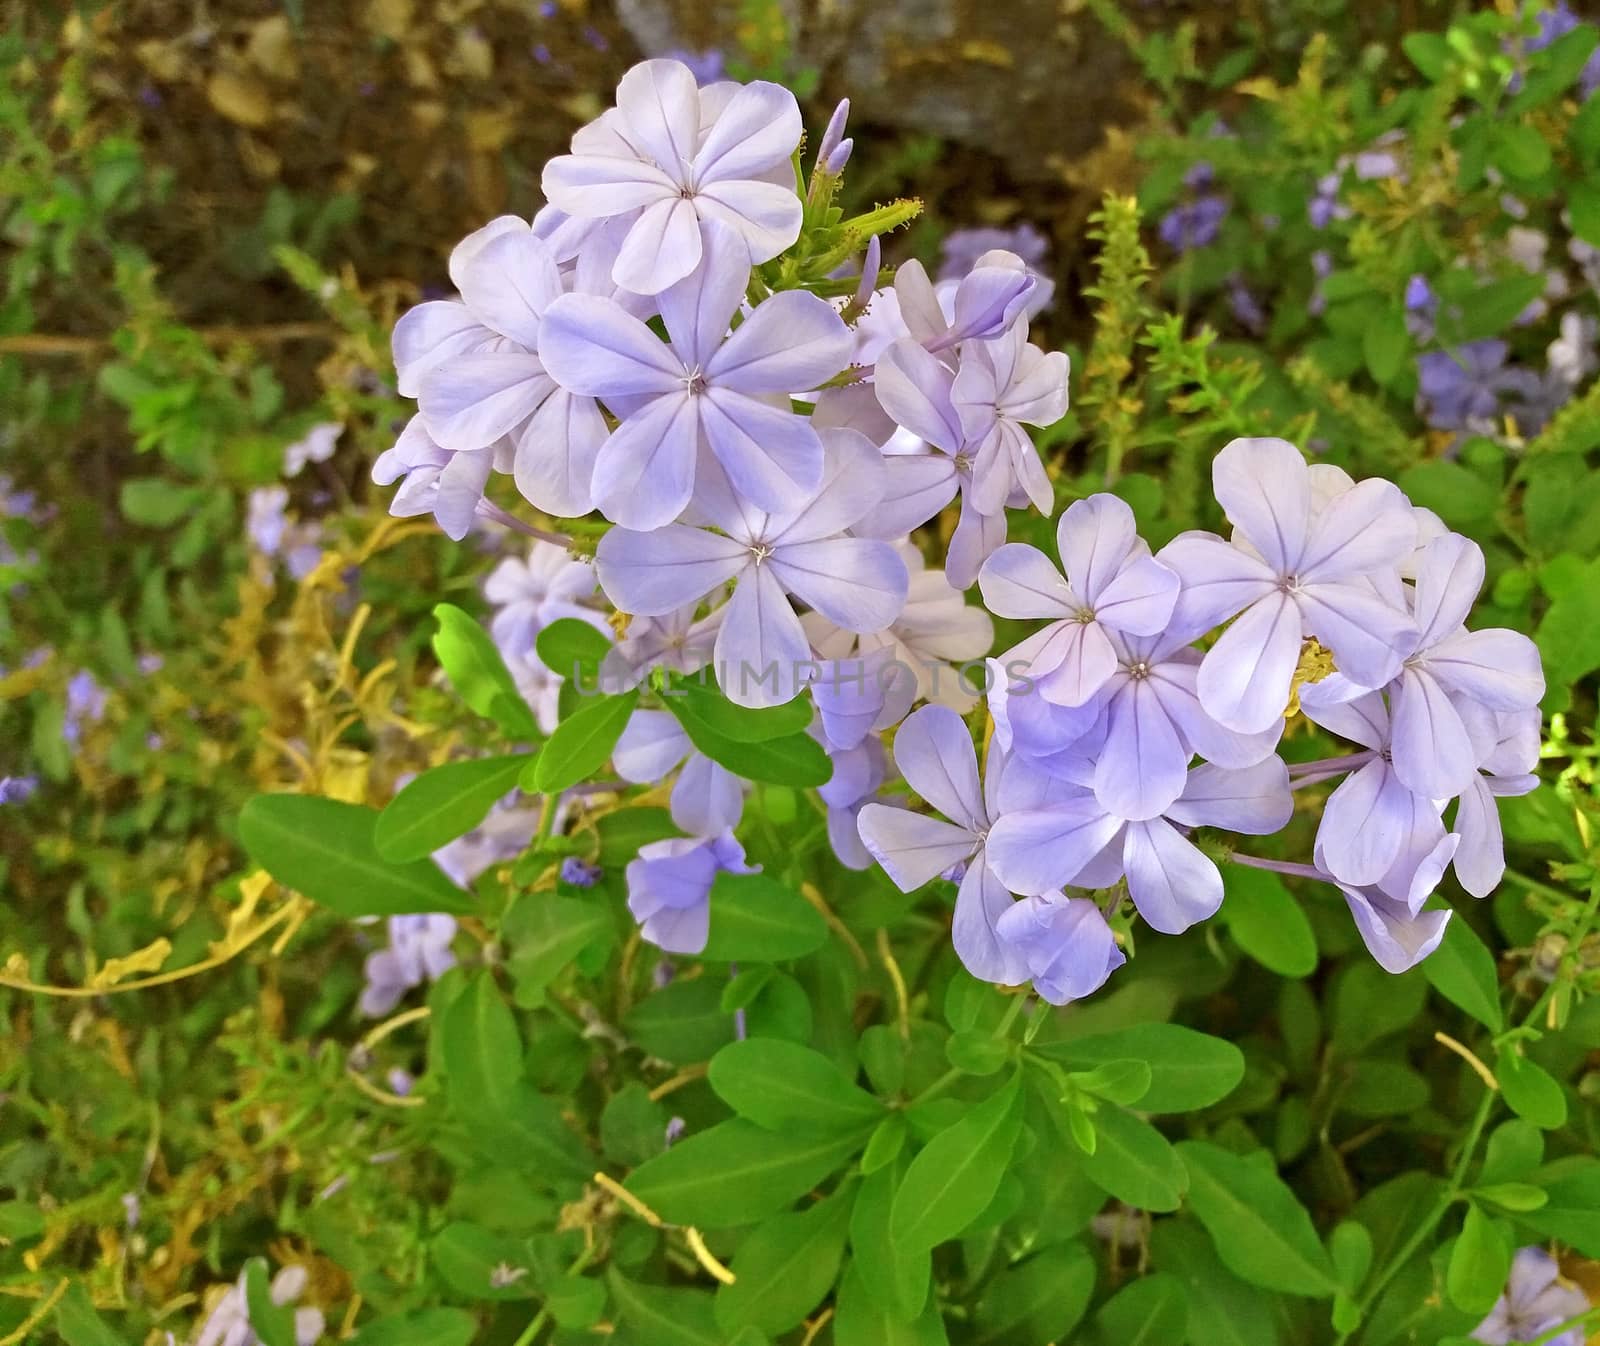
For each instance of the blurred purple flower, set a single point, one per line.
(580, 873)
(419, 950)
(1065, 942)
(669, 888)
(18, 789)
(1193, 224)
(1536, 1300)
(961, 249)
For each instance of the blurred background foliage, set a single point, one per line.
(211, 215)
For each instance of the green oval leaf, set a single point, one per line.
(953, 1179)
(1134, 1162)
(1462, 970)
(786, 1267)
(1531, 1091)
(572, 649)
(665, 1317)
(1259, 1228)
(783, 1086)
(478, 673)
(1267, 922)
(1479, 1263)
(443, 804)
(1036, 1302)
(425, 1327)
(582, 742)
(1152, 1311)
(736, 1173)
(325, 849)
(756, 919)
(1188, 1070)
(705, 707)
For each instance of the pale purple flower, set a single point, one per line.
(933, 751)
(1325, 206)
(659, 153)
(706, 66)
(1572, 355)
(987, 302)
(1072, 839)
(528, 595)
(502, 836)
(86, 704)
(1111, 584)
(265, 522)
(706, 798)
(447, 485)
(1508, 750)
(860, 695)
(1244, 305)
(679, 641)
(936, 629)
(1536, 1300)
(1304, 573)
(1065, 942)
(1463, 389)
(917, 390)
(669, 888)
(419, 950)
(1194, 224)
(705, 387)
(857, 773)
(18, 789)
(961, 248)
(857, 583)
(130, 1209)
(580, 873)
(1000, 386)
(1497, 668)
(228, 1323)
(1375, 830)
(833, 138)
(315, 446)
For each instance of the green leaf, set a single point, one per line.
(1514, 1150)
(1038, 1301)
(582, 742)
(1267, 922)
(1385, 343)
(423, 1327)
(481, 1051)
(326, 849)
(1429, 52)
(1531, 1091)
(682, 1022)
(861, 1321)
(736, 1173)
(1583, 204)
(1134, 1162)
(545, 934)
(478, 673)
(80, 1324)
(728, 736)
(897, 1279)
(665, 1317)
(1572, 1214)
(572, 649)
(783, 1086)
(1554, 68)
(1122, 1082)
(1223, 1310)
(622, 833)
(479, 1264)
(786, 1267)
(1519, 151)
(707, 707)
(1462, 970)
(1484, 311)
(1152, 1311)
(1370, 1004)
(1515, 1196)
(1480, 1262)
(1457, 494)
(1259, 1228)
(1188, 1070)
(272, 1323)
(954, 1178)
(758, 920)
(443, 804)
(1585, 133)
(152, 502)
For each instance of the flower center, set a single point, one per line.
(1139, 670)
(1289, 584)
(1084, 616)
(760, 551)
(695, 382)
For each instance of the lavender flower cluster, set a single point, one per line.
(666, 344)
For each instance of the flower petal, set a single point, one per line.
(916, 486)
(1480, 859)
(1171, 883)
(1449, 576)
(698, 309)
(853, 478)
(1396, 938)
(1264, 488)
(1140, 599)
(1255, 799)
(771, 456)
(1096, 538)
(1433, 753)
(768, 217)
(1036, 851)
(651, 744)
(644, 473)
(915, 388)
(1142, 766)
(658, 103)
(707, 798)
(428, 335)
(653, 574)
(1245, 677)
(594, 347)
(855, 582)
(556, 454)
(1219, 581)
(759, 129)
(1368, 528)
(912, 847)
(1365, 823)
(661, 248)
(762, 653)
(789, 343)
(980, 903)
(509, 282)
(1497, 667)
(595, 186)
(473, 400)
(933, 751)
(1019, 581)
